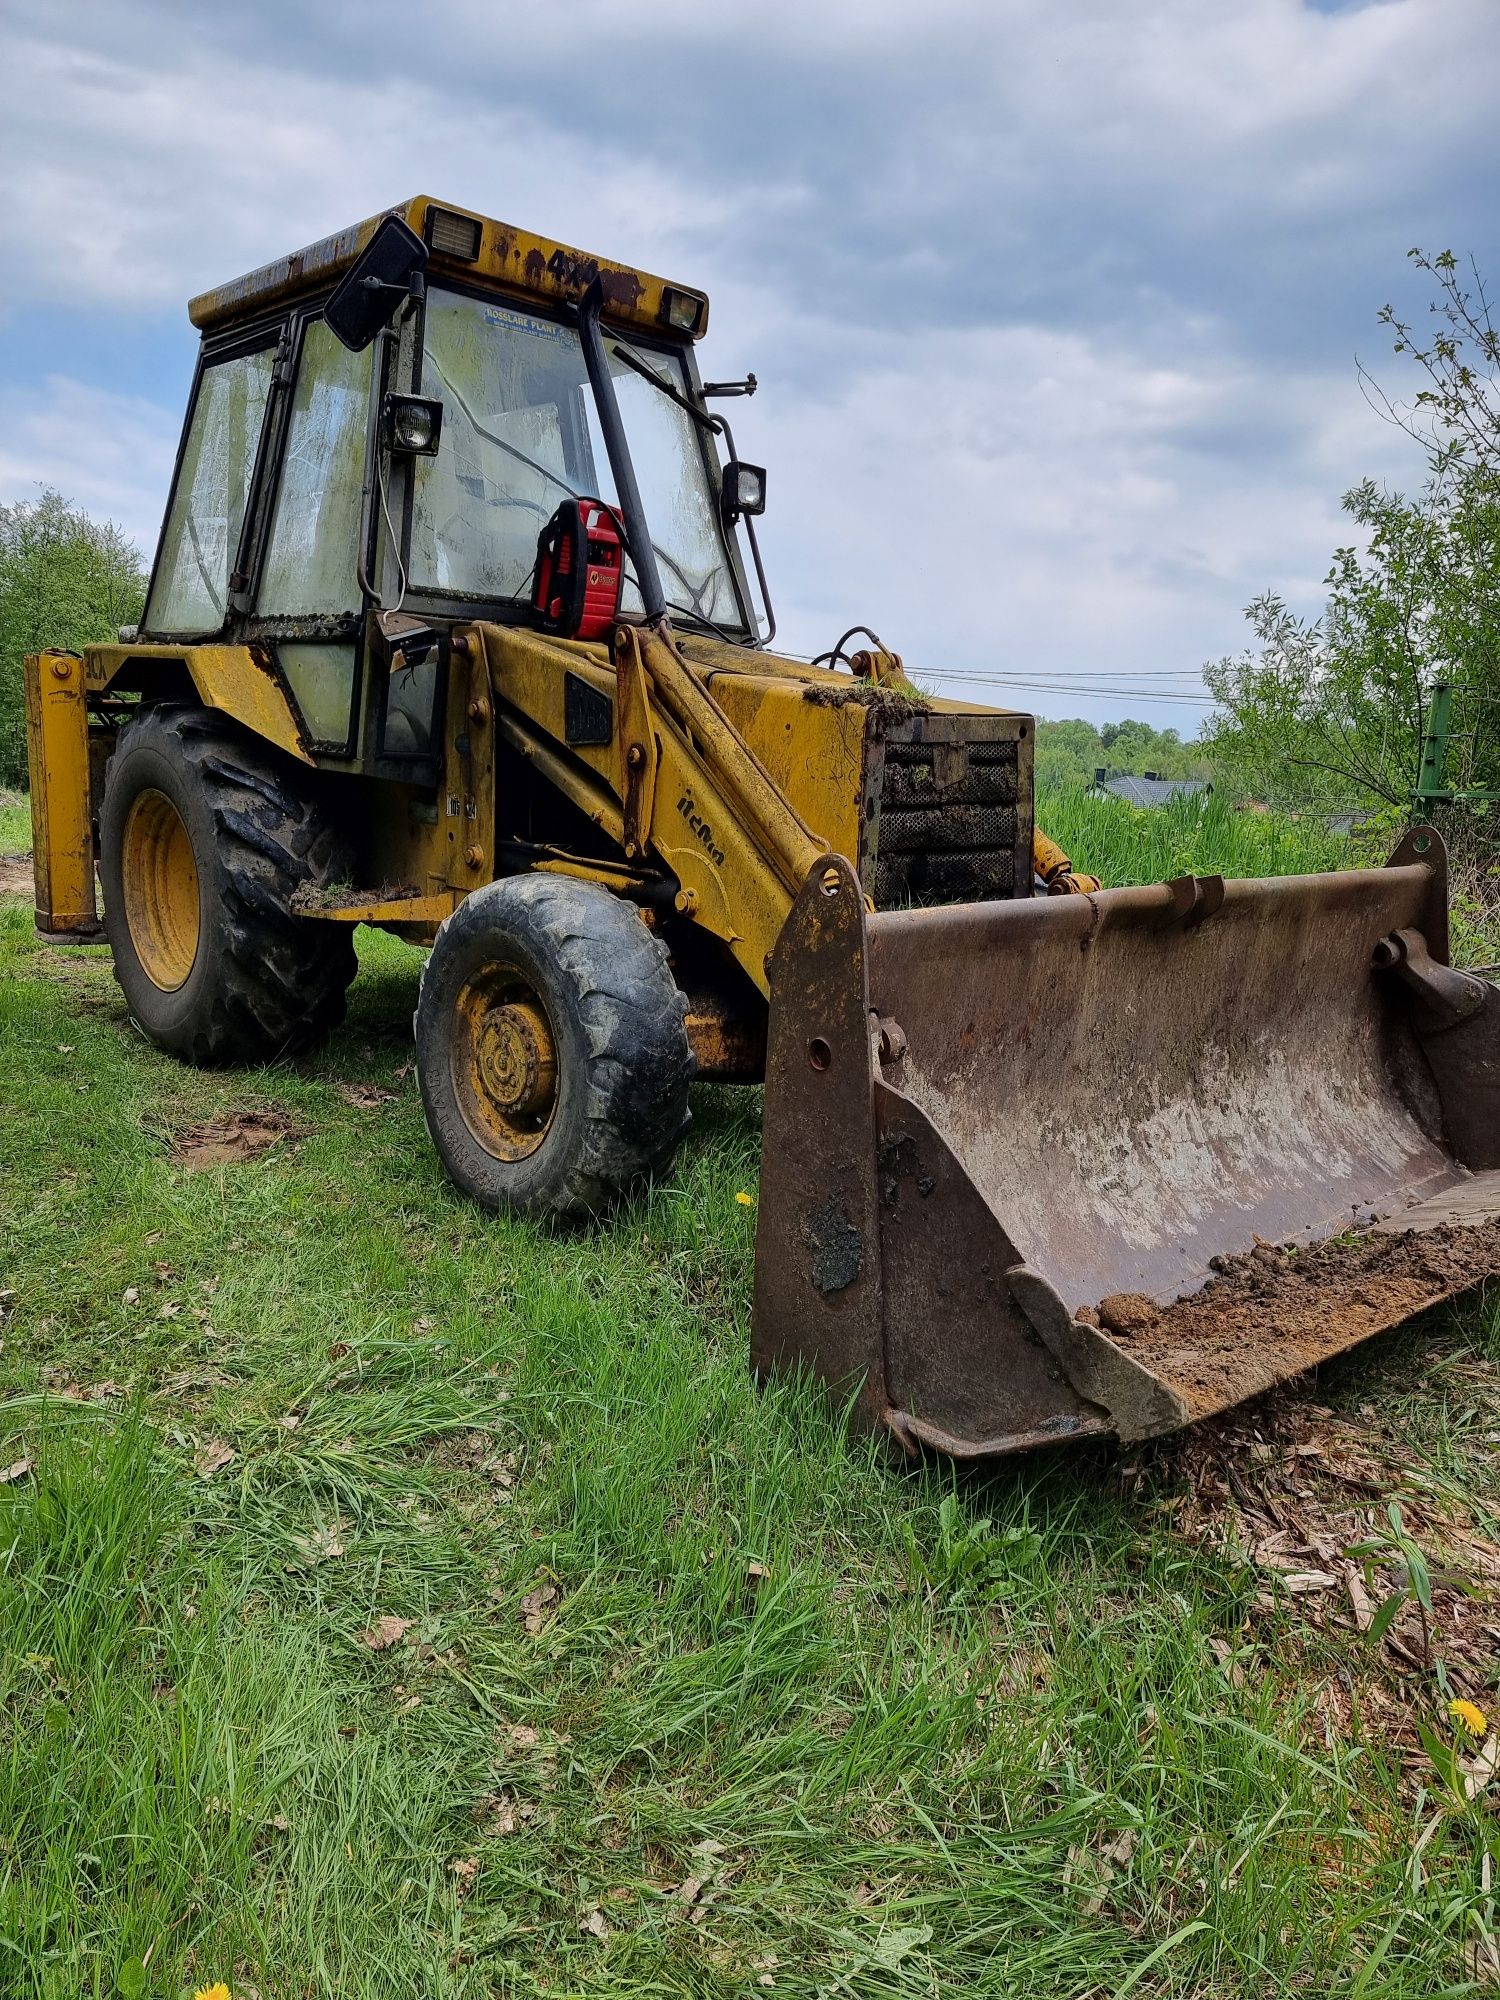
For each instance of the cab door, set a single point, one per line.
(309, 603)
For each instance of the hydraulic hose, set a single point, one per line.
(1055, 870)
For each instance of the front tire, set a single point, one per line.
(551, 1052)
(205, 836)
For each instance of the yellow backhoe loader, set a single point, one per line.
(452, 630)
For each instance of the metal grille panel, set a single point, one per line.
(910, 778)
(948, 823)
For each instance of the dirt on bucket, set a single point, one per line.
(1272, 1313)
(224, 1141)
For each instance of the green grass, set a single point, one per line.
(1206, 835)
(908, 1732)
(1202, 835)
(15, 824)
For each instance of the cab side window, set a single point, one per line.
(190, 590)
(309, 566)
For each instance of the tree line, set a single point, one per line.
(1074, 752)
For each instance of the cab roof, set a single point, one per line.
(460, 245)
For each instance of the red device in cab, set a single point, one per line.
(580, 566)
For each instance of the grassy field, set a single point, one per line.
(1209, 836)
(396, 1601)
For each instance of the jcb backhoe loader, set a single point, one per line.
(450, 631)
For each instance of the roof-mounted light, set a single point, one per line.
(682, 311)
(452, 235)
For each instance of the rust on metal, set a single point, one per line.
(504, 256)
(1456, 1018)
(817, 1262)
(728, 1041)
(1138, 1093)
(1047, 1168)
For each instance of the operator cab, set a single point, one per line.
(380, 430)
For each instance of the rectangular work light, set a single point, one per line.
(744, 489)
(682, 311)
(456, 236)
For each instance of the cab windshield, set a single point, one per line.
(520, 433)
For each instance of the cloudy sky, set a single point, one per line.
(1055, 307)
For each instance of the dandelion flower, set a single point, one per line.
(745, 1200)
(1468, 1717)
(218, 1991)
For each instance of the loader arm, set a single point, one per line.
(675, 780)
(695, 791)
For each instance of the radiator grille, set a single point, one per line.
(948, 824)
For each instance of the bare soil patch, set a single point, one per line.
(1295, 1490)
(1273, 1313)
(223, 1142)
(365, 1096)
(15, 876)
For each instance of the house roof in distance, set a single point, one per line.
(1151, 790)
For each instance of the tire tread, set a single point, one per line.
(281, 978)
(631, 1013)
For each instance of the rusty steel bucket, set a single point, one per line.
(1094, 1165)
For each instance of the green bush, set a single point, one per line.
(65, 580)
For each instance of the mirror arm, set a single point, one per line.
(747, 522)
(413, 291)
(378, 360)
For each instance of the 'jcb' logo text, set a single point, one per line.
(701, 827)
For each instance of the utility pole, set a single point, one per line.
(1432, 764)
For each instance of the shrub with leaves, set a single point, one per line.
(1328, 712)
(65, 580)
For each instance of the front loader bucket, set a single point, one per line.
(1104, 1164)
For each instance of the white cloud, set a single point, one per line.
(109, 454)
(180, 174)
(1053, 308)
(190, 155)
(1030, 504)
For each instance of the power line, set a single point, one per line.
(1192, 674)
(1074, 690)
(1039, 675)
(1079, 675)
(1069, 677)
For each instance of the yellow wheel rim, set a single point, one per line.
(159, 878)
(504, 1059)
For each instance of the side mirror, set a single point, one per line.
(381, 279)
(743, 490)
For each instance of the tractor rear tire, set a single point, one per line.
(205, 835)
(551, 1052)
